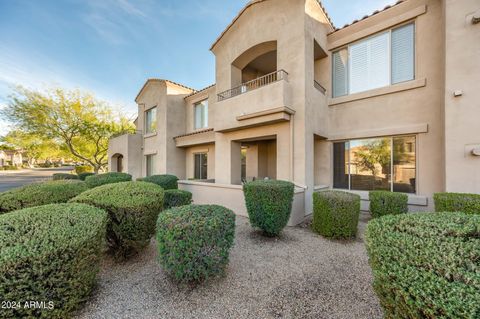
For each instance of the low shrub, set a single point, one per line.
(166, 181)
(425, 265)
(457, 202)
(63, 176)
(83, 169)
(10, 168)
(51, 192)
(269, 204)
(176, 197)
(335, 214)
(194, 241)
(133, 208)
(107, 178)
(49, 254)
(387, 203)
(83, 176)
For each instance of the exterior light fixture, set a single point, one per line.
(476, 17)
(457, 93)
(476, 151)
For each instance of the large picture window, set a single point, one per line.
(201, 166)
(376, 164)
(151, 120)
(201, 114)
(380, 60)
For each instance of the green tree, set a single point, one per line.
(372, 153)
(79, 121)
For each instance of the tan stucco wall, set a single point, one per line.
(128, 145)
(462, 114)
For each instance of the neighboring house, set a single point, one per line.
(11, 157)
(388, 102)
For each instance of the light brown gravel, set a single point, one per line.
(299, 275)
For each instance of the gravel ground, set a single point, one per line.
(299, 275)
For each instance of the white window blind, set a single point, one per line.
(369, 64)
(340, 76)
(403, 56)
(201, 114)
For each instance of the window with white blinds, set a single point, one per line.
(378, 61)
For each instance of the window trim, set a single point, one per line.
(366, 38)
(146, 111)
(195, 105)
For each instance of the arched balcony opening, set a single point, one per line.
(117, 163)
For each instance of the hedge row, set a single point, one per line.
(132, 207)
(63, 176)
(57, 262)
(50, 192)
(387, 203)
(165, 181)
(194, 241)
(269, 204)
(336, 214)
(457, 202)
(107, 178)
(176, 197)
(425, 265)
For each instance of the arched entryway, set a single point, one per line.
(117, 163)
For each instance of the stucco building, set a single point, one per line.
(388, 102)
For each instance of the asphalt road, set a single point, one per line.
(12, 179)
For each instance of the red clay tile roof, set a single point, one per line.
(196, 132)
(199, 91)
(368, 16)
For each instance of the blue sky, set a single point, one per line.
(109, 47)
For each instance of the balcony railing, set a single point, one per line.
(319, 87)
(253, 84)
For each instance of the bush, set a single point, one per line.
(269, 203)
(166, 181)
(176, 197)
(51, 192)
(194, 241)
(10, 168)
(63, 176)
(83, 176)
(335, 214)
(387, 203)
(107, 178)
(83, 169)
(425, 265)
(52, 254)
(457, 202)
(133, 208)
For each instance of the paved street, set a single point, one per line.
(12, 179)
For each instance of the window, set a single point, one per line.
(151, 120)
(201, 166)
(201, 114)
(150, 165)
(375, 164)
(381, 60)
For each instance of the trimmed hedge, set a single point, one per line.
(425, 265)
(133, 208)
(83, 176)
(63, 176)
(176, 197)
(387, 203)
(457, 202)
(49, 254)
(107, 178)
(166, 181)
(50, 192)
(194, 241)
(335, 214)
(269, 204)
(83, 169)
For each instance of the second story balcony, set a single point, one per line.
(259, 101)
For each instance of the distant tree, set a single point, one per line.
(79, 121)
(373, 153)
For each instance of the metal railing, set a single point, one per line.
(319, 87)
(253, 84)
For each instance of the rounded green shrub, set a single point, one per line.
(387, 203)
(269, 204)
(83, 176)
(194, 241)
(176, 197)
(166, 181)
(50, 254)
(335, 214)
(107, 178)
(132, 207)
(457, 202)
(63, 176)
(426, 265)
(83, 169)
(37, 194)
